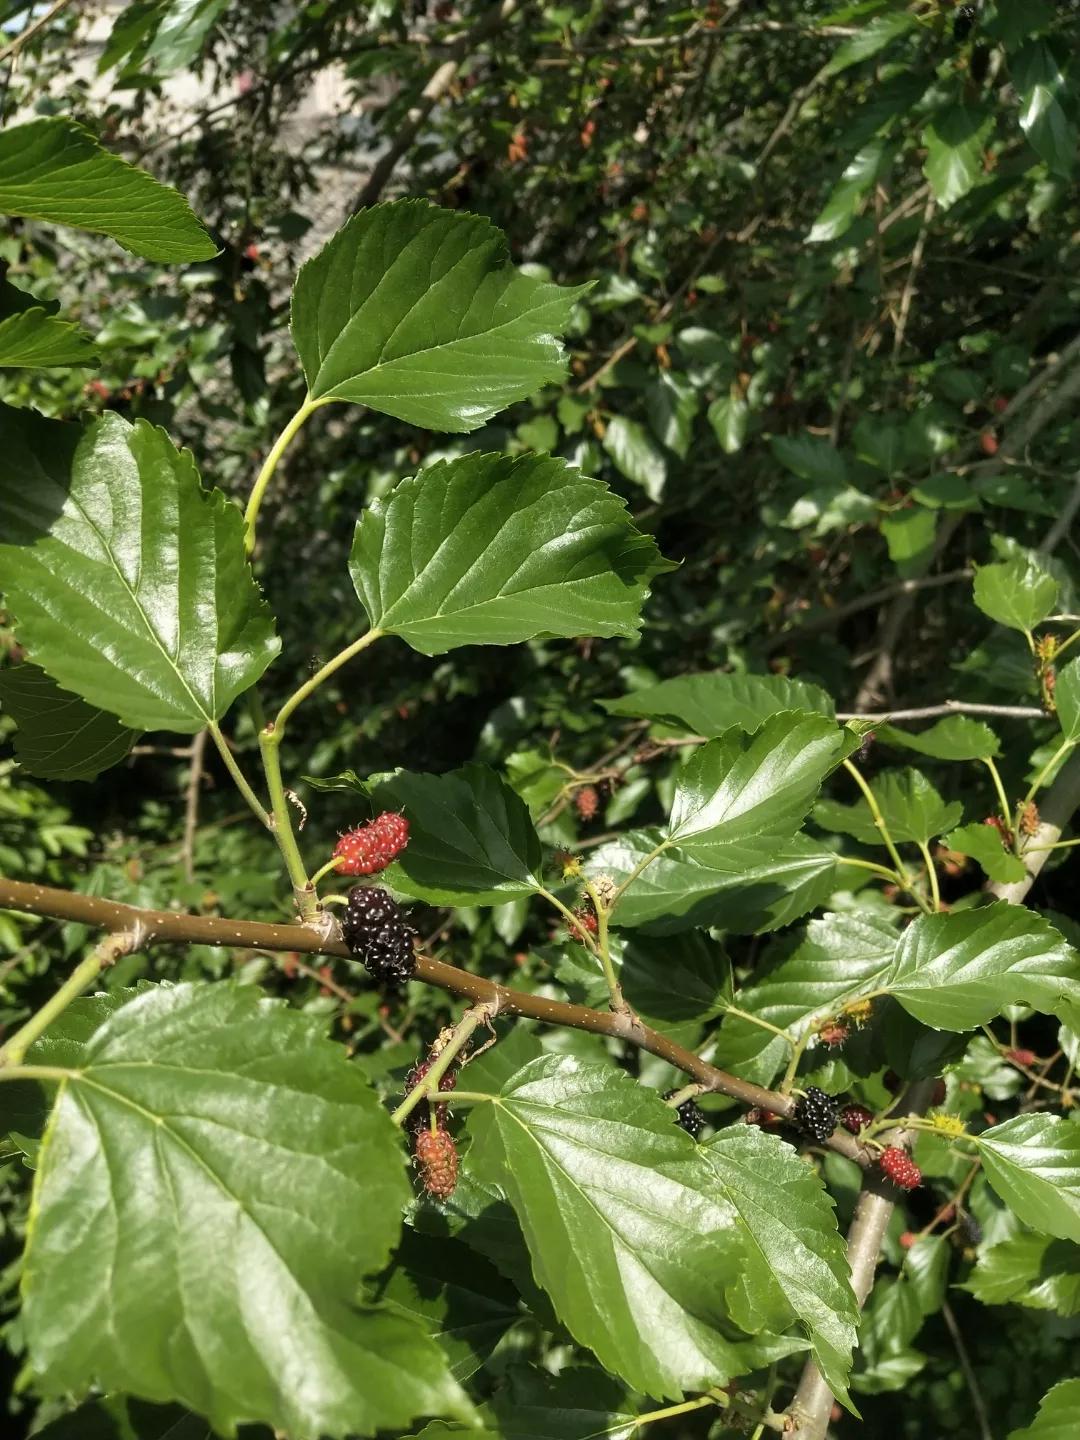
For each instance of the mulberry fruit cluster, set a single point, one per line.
(437, 1161)
(689, 1116)
(421, 1116)
(377, 933)
(371, 847)
(586, 918)
(898, 1165)
(586, 802)
(816, 1114)
(855, 1118)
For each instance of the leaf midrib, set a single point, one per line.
(155, 638)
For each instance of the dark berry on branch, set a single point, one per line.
(856, 1118)
(963, 22)
(816, 1113)
(377, 933)
(689, 1116)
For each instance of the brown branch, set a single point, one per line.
(1063, 524)
(191, 805)
(950, 707)
(912, 276)
(813, 1400)
(437, 86)
(171, 926)
(28, 31)
(836, 616)
(985, 1432)
(1055, 812)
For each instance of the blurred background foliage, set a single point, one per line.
(834, 263)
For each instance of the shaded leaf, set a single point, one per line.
(1035, 1271)
(957, 737)
(127, 580)
(1042, 86)
(957, 971)
(789, 1214)
(840, 958)
(636, 456)
(728, 417)
(457, 1297)
(584, 1152)
(1058, 1417)
(711, 703)
(983, 843)
(60, 737)
(955, 141)
(215, 1170)
(416, 312)
(743, 787)
(491, 550)
(912, 810)
(842, 205)
(1017, 593)
(1033, 1163)
(471, 841)
(53, 169)
(34, 338)
(117, 1417)
(1067, 699)
(673, 404)
(576, 1404)
(747, 886)
(179, 35)
(873, 37)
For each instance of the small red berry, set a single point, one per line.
(907, 1239)
(999, 404)
(586, 920)
(586, 802)
(437, 1160)
(834, 1033)
(988, 442)
(855, 1118)
(371, 847)
(393, 830)
(898, 1165)
(1021, 1057)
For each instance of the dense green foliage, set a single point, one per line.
(636, 444)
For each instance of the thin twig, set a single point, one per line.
(950, 707)
(970, 1379)
(873, 1210)
(1061, 526)
(28, 31)
(312, 939)
(912, 276)
(191, 806)
(438, 84)
(841, 613)
(791, 114)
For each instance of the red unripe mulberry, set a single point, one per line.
(437, 1160)
(371, 847)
